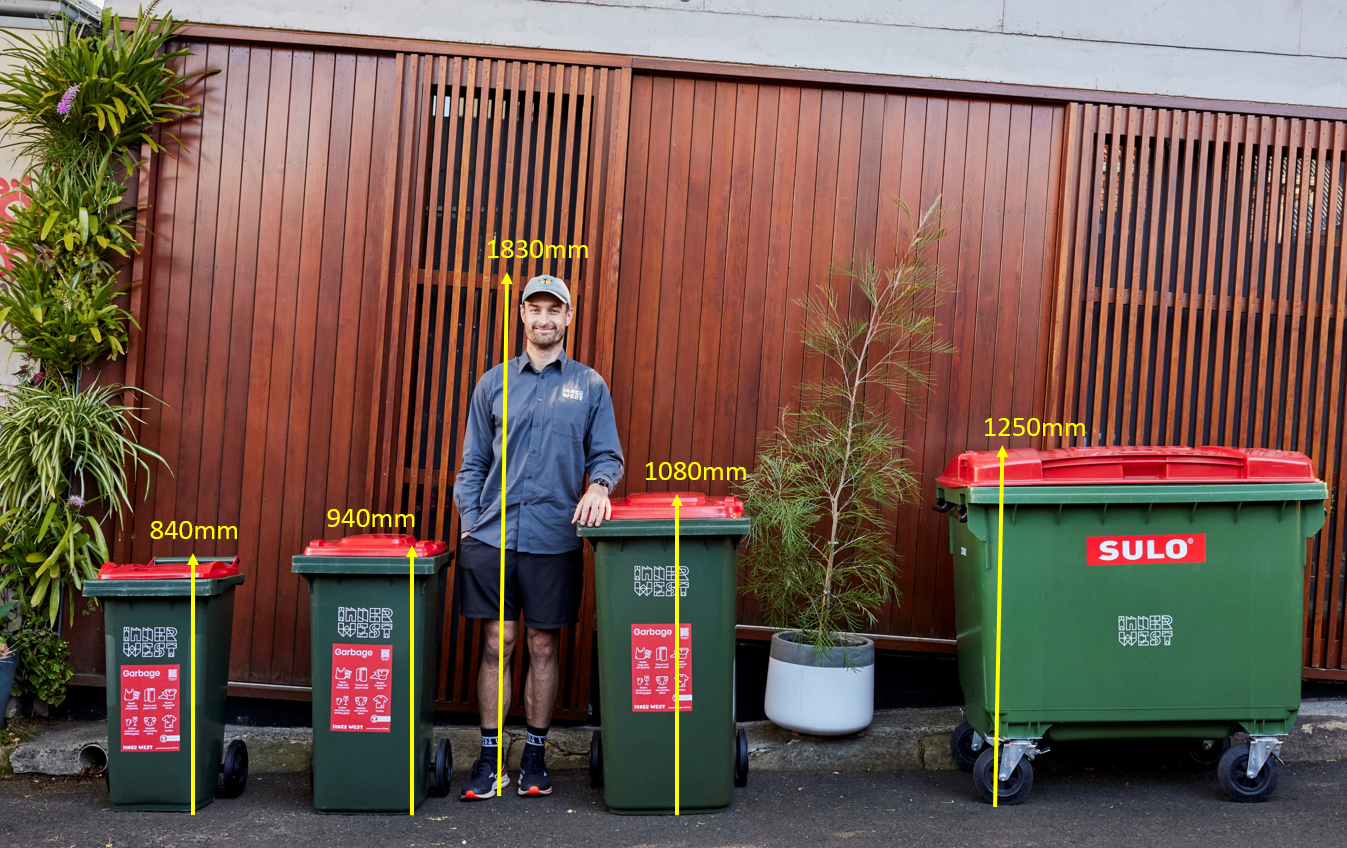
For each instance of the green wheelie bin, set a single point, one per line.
(1147, 592)
(147, 620)
(363, 657)
(633, 759)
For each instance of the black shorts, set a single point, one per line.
(547, 586)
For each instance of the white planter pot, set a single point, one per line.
(826, 694)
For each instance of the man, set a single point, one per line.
(560, 428)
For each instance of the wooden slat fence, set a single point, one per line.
(1200, 299)
(741, 196)
(497, 150)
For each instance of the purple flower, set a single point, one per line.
(75, 502)
(39, 377)
(67, 100)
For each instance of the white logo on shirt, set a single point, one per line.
(572, 393)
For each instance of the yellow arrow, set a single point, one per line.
(996, 709)
(191, 575)
(411, 657)
(678, 697)
(504, 442)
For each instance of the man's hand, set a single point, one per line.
(594, 507)
(463, 535)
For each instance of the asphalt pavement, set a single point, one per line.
(1078, 800)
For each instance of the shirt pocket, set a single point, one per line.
(570, 414)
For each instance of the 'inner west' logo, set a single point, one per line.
(572, 393)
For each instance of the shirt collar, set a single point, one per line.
(523, 362)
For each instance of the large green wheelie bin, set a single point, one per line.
(633, 759)
(1147, 593)
(363, 654)
(147, 619)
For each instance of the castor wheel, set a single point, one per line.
(235, 769)
(741, 758)
(596, 760)
(1012, 791)
(1233, 774)
(1205, 754)
(442, 769)
(961, 748)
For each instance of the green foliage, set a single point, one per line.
(126, 90)
(820, 557)
(44, 662)
(62, 321)
(54, 440)
(74, 222)
(78, 107)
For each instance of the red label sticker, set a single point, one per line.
(1129, 550)
(362, 688)
(652, 667)
(150, 702)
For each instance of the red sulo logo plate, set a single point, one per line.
(1133, 550)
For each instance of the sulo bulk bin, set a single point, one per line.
(1147, 592)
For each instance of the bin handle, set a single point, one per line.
(962, 514)
(942, 505)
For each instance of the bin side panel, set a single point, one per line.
(1165, 615)
(631, 588)
(367, 770)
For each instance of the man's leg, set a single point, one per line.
(540, 689)
(481, 782)
(540, 695)
(488, 673)
(550, 586)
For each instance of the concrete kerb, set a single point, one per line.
(897, 740)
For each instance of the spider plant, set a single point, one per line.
(62, 453)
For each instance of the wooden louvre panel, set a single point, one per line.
(500, 152)
(741, 197)
(1200, 295)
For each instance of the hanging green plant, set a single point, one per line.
(93, 95)
(54, 441)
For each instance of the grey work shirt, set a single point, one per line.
(561, 428)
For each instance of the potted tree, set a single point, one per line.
(820, 557)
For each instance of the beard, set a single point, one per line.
(545, 339)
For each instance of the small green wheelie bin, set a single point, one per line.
(1147, 592)
(147, 619)
(633, 759)
(363, 657)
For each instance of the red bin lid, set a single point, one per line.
(374, 545)
(205, 570)
(1114, 465)
(660, 505)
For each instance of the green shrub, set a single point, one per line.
(820, 556)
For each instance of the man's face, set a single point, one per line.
(545, 320)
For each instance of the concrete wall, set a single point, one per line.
(1278, 51)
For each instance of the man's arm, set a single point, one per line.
(478, 436)
(603, 462)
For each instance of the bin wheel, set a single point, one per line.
(1232, 773)
(443, 768)
(1012, 791)
(961, 747)
(741, 758)
(1205, 754)
(596, 760)
(235, 769)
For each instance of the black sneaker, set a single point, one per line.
(533, 779)
(481, 783)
